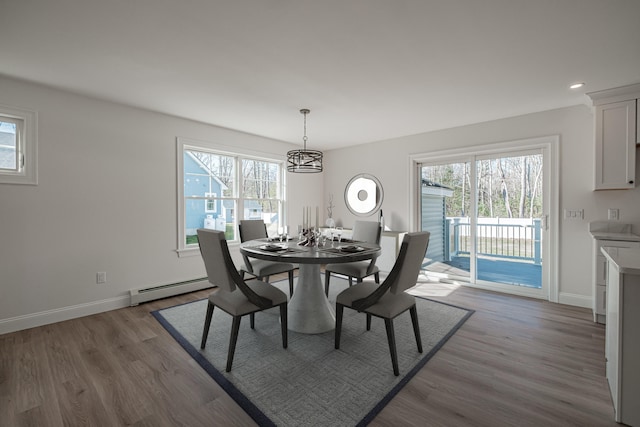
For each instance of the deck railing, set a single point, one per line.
(496, 237)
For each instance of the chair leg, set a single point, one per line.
(376, 277)
(416, 327)
(359, 280)
(327, 277)
(339, 310)
(391, 337)
(266, 279)
(235, 327)
(207, 323)
(290, 283)
(252, 320)
(283, 325)
(350, 281)
(368, 322)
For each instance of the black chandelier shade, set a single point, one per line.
(304, 161)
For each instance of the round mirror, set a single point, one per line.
(363, 194)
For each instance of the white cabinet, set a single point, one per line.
(616, 136)
(615, 145)
(606, 234)
(622, 344)
(600, 275)
(390, 241)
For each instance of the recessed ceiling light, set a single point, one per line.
(576, 85)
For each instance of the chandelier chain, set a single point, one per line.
(304, 138)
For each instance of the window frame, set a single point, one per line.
(550, 148)
(26, 146)
(210, 197)
(186, 144)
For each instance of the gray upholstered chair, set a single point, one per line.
(251, 229)
(363, 231)
(389, 300)
(235, 296)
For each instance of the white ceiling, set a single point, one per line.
(368, 69)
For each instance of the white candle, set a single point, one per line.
(317, 215)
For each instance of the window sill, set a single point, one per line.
(188, 252)
(195, 251)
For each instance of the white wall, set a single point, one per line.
(106, 201)
(389, 161)
(106, 198)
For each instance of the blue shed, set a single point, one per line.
(200, 181)
(434, 219)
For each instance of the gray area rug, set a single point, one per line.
(310, 383)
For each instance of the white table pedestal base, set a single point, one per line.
(309, 310)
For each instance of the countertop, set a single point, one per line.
(607, 235)
(612, 230)
(627, 260)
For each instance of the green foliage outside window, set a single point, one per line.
(508, 187)
(228, 234)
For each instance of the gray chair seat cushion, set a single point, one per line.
(353, 269)
(389, 299)
(236, 303)
(263, 268)
(388, 306)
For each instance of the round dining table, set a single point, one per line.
(309, 309)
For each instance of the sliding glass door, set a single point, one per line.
(509, 219)
(487, 214)
(445, 203)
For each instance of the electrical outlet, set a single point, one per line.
(101, 277)
(614, 214)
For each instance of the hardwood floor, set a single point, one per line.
(516, 361)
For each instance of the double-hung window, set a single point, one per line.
(18, 146)
(218, 187)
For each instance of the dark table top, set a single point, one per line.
(290, 251)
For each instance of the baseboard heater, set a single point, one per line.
(163, 291)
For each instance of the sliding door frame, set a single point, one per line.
(549, 145)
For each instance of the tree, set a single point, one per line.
(506, 186)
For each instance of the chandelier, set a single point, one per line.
(304, 161)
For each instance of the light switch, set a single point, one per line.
(573, 214)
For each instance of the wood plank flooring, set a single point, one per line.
(515, 362)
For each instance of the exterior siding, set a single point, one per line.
(433, 221)
(199, 182)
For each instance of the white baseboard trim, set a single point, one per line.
(47, 317)
(575, 299)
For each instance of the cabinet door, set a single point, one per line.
(600, 274)
(612, 337)
(601, 298)
(615, 141)
(637, 121)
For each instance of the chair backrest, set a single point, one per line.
(367, 231)
(251, 229)
(215, 253)
(409, 261)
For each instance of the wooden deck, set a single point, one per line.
(511, 272)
